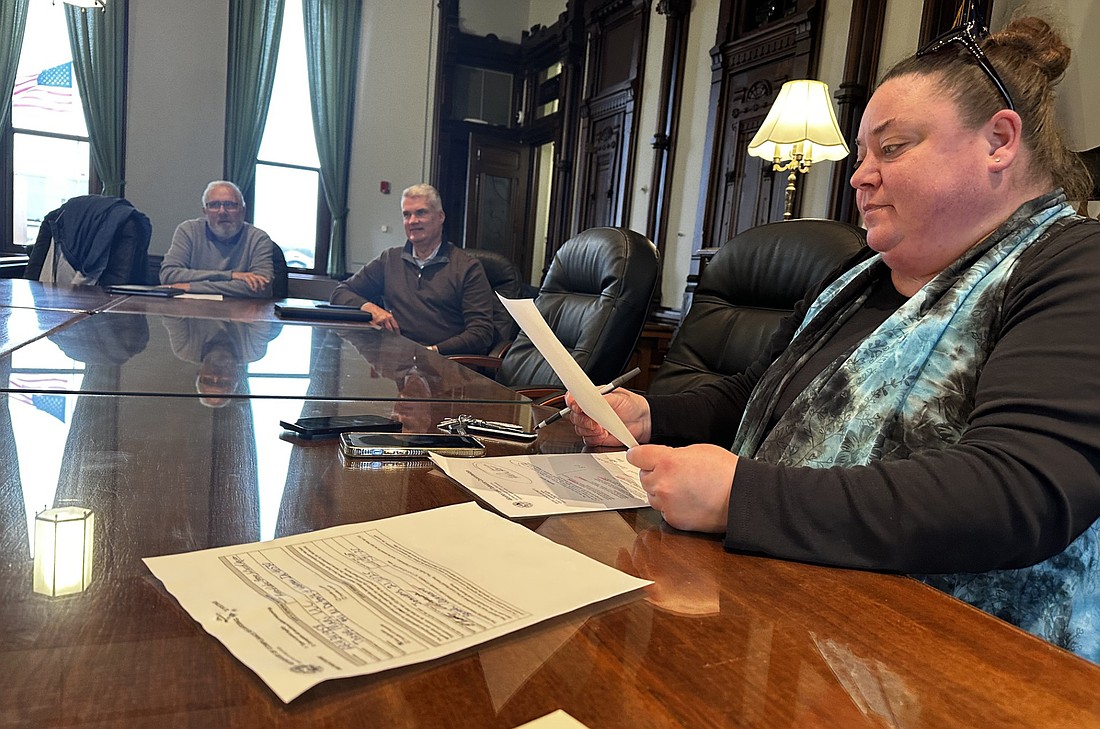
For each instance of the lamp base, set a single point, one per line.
(789, 197)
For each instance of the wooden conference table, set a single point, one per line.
(149, 346)
(719, 640)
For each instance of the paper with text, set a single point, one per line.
(363, 598)
(558, 483)
(565, 367)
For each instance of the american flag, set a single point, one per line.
(48, 403)
(51, 89)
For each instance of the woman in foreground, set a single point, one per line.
(936, 409)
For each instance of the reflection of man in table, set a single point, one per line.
(417, 379)
(221, 349)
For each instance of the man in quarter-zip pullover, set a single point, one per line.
(427, 290)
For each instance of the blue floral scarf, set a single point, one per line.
(910, 385)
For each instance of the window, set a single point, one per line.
(289, 204)
(548, 91)
(50, 154)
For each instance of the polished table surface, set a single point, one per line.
(29, 309)
(18, 326)
(19, 292)
(719, 640)
(151, 354)
(226, 308)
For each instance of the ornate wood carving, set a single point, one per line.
(760, 46)
(616, 36)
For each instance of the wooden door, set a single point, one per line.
(497, 184)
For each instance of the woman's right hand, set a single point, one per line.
(632, 409)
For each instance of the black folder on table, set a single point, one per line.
(309, 309)
(143, 290)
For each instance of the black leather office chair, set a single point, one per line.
(280, 283)
(753, 281)
(505, 278)
(595, 298)
(103, 239)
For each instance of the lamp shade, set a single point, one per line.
(63, 551)
(800, 122)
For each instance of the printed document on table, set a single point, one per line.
(363, 598)
(565, 367)
(558, 483)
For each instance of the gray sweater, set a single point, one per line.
(195, 257)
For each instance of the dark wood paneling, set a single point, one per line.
(760, 46)
(616, 33)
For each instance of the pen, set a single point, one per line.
(613, 385)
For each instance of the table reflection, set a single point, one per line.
(420, 377)
(222, 350)
(199, 357)
(23, 293)
(13, 511)
(684, 581)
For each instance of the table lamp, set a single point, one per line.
(63, 550)
(800, 129)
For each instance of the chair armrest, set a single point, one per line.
(500, 349)
(487, 364)
(476, 360)
(482, 363)
(545, 395)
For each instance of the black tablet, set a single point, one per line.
(309, 309)
(143, 290)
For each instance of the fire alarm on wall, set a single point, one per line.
(384, 186)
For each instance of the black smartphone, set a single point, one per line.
(408, 445)
(330, 425)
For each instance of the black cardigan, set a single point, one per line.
(1019, 486)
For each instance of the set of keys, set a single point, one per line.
(466, 424)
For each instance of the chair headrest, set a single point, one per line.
(774, 265)
(503, 275)
(595, 298)
(603, 261)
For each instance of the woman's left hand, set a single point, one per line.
(689, 486)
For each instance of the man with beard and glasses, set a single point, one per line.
(220, 253)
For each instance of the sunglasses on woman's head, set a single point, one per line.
(967, 35)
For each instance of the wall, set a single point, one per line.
(175, 109)
(507, 19)
(176, 114)
(393, 115)
(1078, 22)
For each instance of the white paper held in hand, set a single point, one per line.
(572, 376)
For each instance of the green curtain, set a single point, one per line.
(98, 42)
(13, 19)
(254, 30)
(332, 51)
